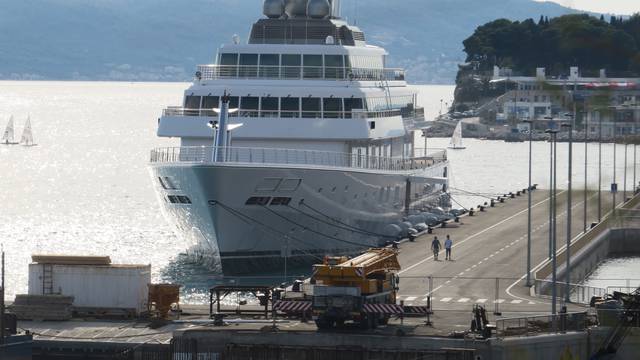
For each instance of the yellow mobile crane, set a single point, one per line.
(362, 289)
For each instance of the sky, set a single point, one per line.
(620, 7)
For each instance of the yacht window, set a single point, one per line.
(228, 59)
(249, 106)
(290, 107)
(291, 66)
(248, 65)
(332, 108)
(234, 102)
(312, 66)
(262, 201)
(192, 105)
(280, 201)
(269, 107)
(311, 108)
(228, 65)
(334, 66)
(269, 65)
(352, 103)
(192, 102)
(209, 103)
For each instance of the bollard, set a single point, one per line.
(502, 200)
(512, 195)
(429, 230)
(471, 212)
(518, 193)
(457, 219)
(481, 208)
(444, 224)
(493, 203)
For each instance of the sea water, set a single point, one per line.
(86, 189)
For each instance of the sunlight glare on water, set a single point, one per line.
(86, 189)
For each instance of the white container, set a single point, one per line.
(122, 287)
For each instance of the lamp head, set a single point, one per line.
(213, 124)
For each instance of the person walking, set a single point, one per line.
(435, 247)
(448, 244)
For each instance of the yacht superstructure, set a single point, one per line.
(319, 155)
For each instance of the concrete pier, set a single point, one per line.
(488, 269)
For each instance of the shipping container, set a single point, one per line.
(117, 287)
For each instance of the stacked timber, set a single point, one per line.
(43, 307)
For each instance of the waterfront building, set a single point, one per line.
(549, 101)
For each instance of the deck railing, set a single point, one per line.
(244, 113)
(277, 72)
(243, 155)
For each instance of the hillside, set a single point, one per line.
(163, 40)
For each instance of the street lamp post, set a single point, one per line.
(635, 153)
(424, 135)
(624, 191)
(569, 199)
(586, 164)
(614, 185)
(529, 284)
(552, 225)
(599, 167)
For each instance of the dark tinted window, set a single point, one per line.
(311, 108)
(270, 59)
(313, 60)
(192, 102)
(280, 201)
(269, 107)
(250, 103)
(234, 102)
(248, 59)
(209, 103)
(313, 66)
(229, 59)
(352, 103)
(333, 61)
(290, 107)
(332, 108)
(291, 60)
(258, 201)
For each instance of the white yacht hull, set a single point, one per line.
(250, 238)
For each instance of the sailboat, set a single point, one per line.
(456, 139)
(27, 134)
(7, 137)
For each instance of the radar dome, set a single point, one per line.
(273, 8)
(318, 9)
(296, 8)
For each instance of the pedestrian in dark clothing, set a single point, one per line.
(435, 246)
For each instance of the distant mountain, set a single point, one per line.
(163, 40)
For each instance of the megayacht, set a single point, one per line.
(318, 155)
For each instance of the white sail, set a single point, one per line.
(7, 137)
(456, 139)
(27, 134)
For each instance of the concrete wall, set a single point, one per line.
(543, 347)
